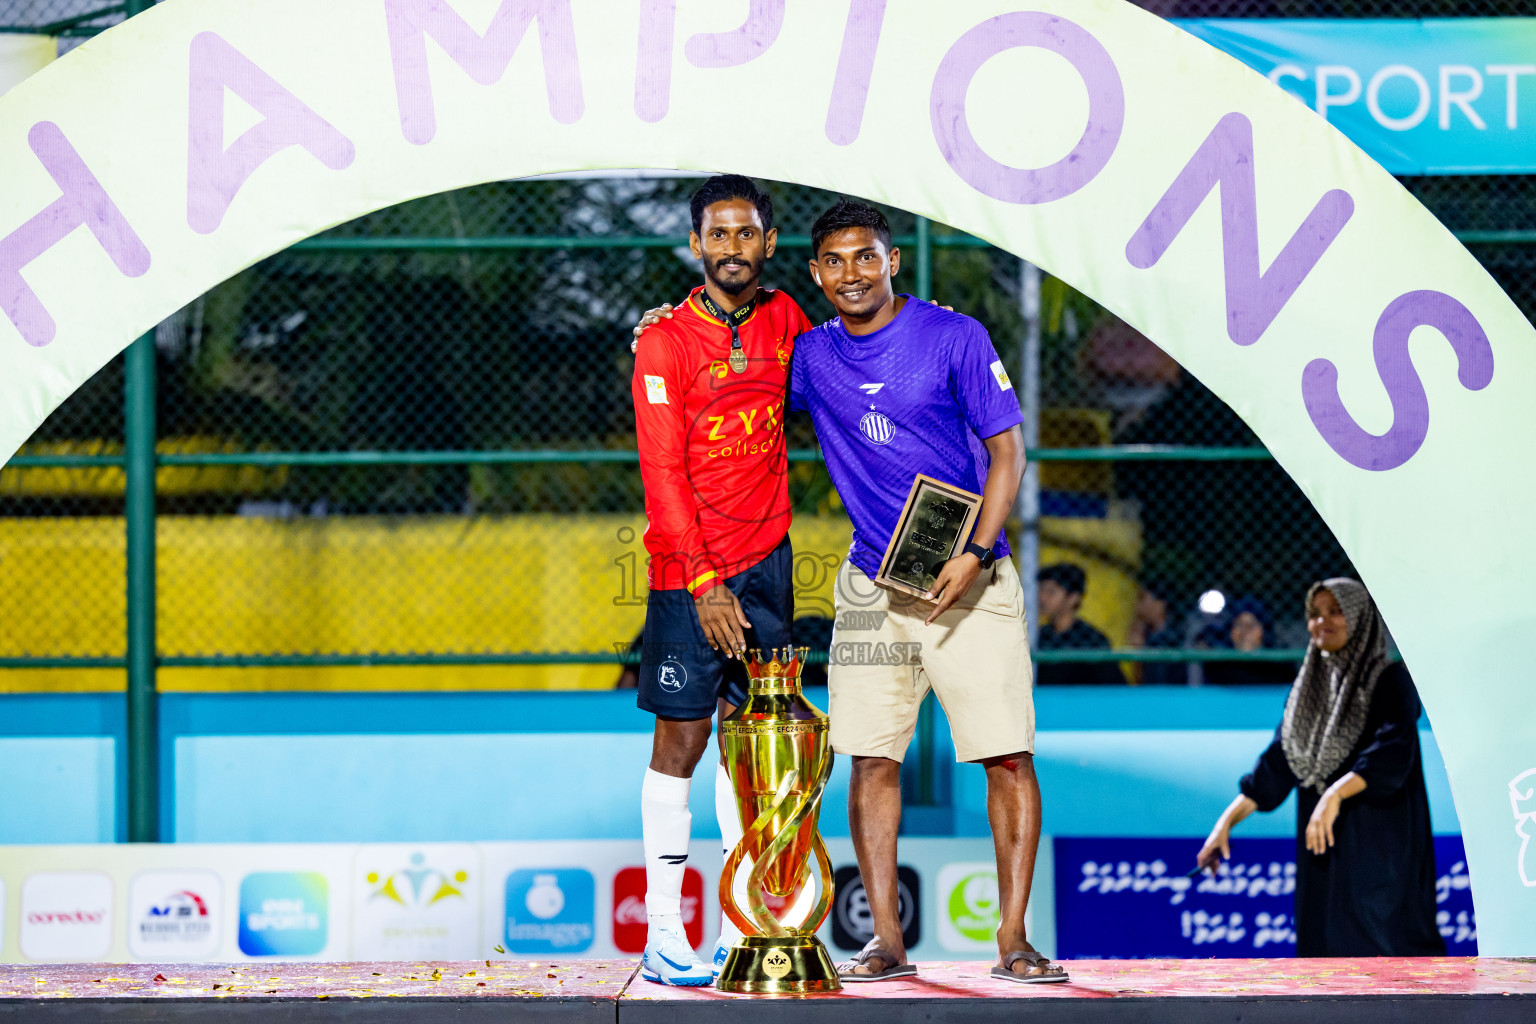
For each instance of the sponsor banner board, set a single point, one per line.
(175, 916)
(1131, 898)
(420, 902)
(1427, 96)
(66, 915)
(191, 902)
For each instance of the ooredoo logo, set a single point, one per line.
(66, 915)
(629, 921)
(174, 915)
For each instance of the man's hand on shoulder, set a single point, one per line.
(953, 582)
(651, 318)
(723, 620)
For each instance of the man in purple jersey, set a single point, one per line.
(898, 387)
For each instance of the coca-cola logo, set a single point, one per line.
(631, 910)
(67, 917)
(629, 917)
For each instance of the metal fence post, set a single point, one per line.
(1027, 505)
(143, 707)
(926, 783)
(924, 260)
(139, 513)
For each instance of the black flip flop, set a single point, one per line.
(1035, 959)
(861, 959)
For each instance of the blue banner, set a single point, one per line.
(1130, 899)
(1440, 96)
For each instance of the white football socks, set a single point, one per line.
(731, 832)
(665, 825)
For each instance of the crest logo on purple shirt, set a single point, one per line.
(876, 428)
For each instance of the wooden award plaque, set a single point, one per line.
(935, 526)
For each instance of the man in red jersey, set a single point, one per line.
(709, 416)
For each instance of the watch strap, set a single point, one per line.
(984, 554)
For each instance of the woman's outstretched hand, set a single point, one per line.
(1320, 827)
(1319, 834)
(1218, 845)
(1217, 848)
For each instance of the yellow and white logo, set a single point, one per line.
(1001, 375)
(656, 389)
(776, 964)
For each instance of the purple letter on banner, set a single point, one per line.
(727, 49)
(1410, 405)
(653, 69)
(215, 175)
(1106, 107)
(658, 20)
(855, 66)
(1225, 159)
(483, 58)
(85, 202)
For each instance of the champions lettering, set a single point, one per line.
(1224, 162)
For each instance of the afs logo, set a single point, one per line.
(629, 920)
(969, 911)
(283, 913)
(174, 915)
(550, 910)
(853, 924)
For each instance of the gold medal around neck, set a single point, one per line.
(738, 360)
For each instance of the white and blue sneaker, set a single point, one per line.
(669, 960)
(722, 950)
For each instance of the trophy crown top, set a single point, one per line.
(782, 664)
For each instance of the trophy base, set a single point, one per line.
(784, 965)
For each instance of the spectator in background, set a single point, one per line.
(1150, 629)
(1348, 744)
(1247, 627)
(1061, 590)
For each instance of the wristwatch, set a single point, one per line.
(985, 554)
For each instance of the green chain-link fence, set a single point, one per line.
(409, 443)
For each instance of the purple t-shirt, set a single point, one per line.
(917, 396)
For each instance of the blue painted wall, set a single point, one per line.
(373, 767)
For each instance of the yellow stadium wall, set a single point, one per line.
(351, 585)
(237, 585)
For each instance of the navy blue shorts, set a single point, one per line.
(681, 676)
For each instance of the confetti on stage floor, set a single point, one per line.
(1360, 991)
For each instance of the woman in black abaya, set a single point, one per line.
(1349, 745)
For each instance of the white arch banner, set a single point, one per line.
(1387, 372)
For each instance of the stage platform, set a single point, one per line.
(1401, 991)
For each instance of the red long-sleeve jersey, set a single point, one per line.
(712, 441)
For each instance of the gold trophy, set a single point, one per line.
(779, 758)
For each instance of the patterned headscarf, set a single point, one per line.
(1326, 711)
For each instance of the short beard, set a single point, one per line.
(732, 288)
